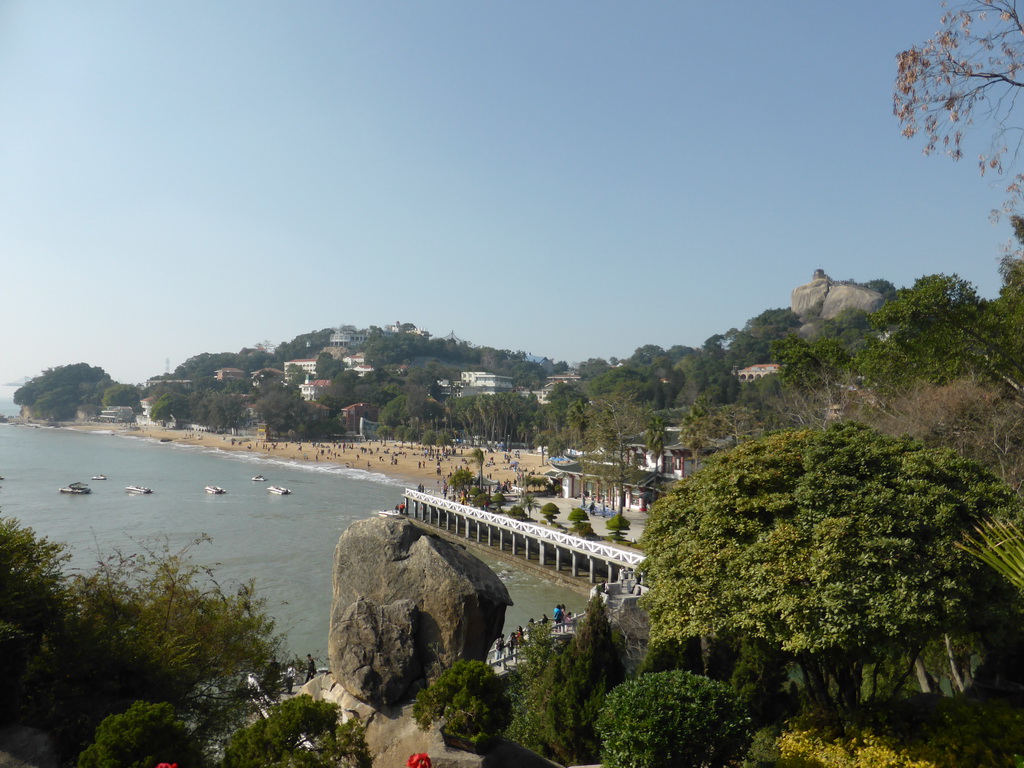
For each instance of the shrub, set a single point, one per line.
(672, 719)
(960, 734)
(470, 697)
(578, 515)
(497, 500)
(549, 511)
(481, 500)
(617, 524)
(516, 512)
(143, 736)
(299, 731)
(583, 529)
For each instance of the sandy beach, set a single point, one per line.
(409, 462)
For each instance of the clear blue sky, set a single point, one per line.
(570, 179)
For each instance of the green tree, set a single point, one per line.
(151, 626)
(142, 737)
(300, 732)
(59, 393)
(616, 524)
(672, 719)
(838, 548)
(941, 330)
(549, 511)
(461, 479)
(476, 456)
(577, 682)
(33, 600)
(654, 441)
(614, 426)
(470, 697)
(121, 394)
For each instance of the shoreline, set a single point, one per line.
(409, 463)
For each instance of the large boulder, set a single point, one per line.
(451, 604)
(376, 652)
(24, 747)
(824, 297)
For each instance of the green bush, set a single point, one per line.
(470, 697)
(143, 736)
(672, 719)
(299, 732)
(583, 529)
(497, 500)
(549, 511)
(617, 524)
(960, 734)
(516, 512)
(578, 515)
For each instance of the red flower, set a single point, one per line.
(166, 765)
(419, 760)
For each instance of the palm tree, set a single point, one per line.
(1000, 545)
(654, 441)
(476, 456)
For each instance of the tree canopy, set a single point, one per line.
(837, 547)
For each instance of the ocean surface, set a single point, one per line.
(286, 543)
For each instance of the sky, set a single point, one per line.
(569, 179)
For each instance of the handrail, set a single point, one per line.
(608, 552)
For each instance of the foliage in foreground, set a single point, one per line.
(836, 548)
(153, 627)
(559, 688)
(470, 698)
(672, 719)
(300, 733)
(32, 601)
(145, 735)
(961, 734)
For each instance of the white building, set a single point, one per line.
(484, 383)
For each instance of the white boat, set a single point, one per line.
(138, 489)
(214, 489)
(259, 479)
(99, 477)
(279, 490)
(79, 489)
(389, 513)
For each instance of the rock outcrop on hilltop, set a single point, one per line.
(407, 605)
(832, 297)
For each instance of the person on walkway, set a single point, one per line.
(310, 668)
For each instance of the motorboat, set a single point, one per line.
(278, 489)
(76, 488)
(138, 489)
(259, 479)
(99, 477)
(215, 489)
(389, 513)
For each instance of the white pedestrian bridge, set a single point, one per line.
(557, 550)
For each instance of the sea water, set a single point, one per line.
(285, 543)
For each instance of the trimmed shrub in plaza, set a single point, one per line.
(616, 525)
(549, 511)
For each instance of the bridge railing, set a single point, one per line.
(605, 551)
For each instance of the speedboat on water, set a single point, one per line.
(216, 489)
(259, 479)
(278, 489)
(76, 488)
(138, 489)
(389, 513)
(99, 477)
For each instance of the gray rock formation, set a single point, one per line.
(452, 604)
(831, 297)
(376, 653)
